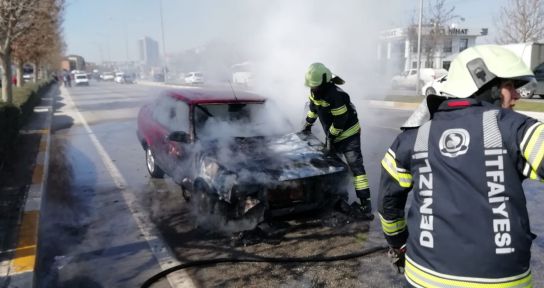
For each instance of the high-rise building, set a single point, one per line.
(149, 52)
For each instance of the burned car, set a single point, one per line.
(233, 156)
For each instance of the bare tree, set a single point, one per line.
(42, 40)
(439, 15)
(16, 18)
(435, 19)
(521, 21)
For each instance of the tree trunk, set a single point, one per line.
(7, 89)
(35, 73)
(19, 73)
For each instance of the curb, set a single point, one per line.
(22, 265)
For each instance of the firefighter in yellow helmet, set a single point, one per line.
(467, 225)
(339, 119)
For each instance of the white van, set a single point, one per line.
(408, 79)
(81, 79)
(194, 78)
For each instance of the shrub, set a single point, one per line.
(14, 116)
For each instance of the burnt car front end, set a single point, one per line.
(277, 176)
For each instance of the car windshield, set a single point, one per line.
(238, 120)
(81, 77)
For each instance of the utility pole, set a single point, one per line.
(419, 46)
(163, 44)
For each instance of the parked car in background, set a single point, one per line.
(81, 79)
(408, 79)
(28, 77)
(434, 87)
(119, 77)
(242, 78)
(229, 165)
(128, 79)
(194, 78)
(158, 77)
(107, 76)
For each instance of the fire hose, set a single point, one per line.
(207, 262)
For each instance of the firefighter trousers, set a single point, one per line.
(351, 149)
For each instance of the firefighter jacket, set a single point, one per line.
(335, 111)
(467, 225)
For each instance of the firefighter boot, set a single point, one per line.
(366, 205)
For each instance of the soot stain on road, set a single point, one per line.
(63, 223)
(302, 237)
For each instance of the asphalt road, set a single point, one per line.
(105, 223)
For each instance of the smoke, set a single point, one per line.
(281, 39)
(342, 35)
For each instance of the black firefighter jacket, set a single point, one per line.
(467, 225)
(335, 111)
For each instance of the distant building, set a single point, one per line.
(73, 62)
(397, 50)
(149, 52)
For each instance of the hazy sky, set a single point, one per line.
(109, 29)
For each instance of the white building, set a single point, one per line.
(397, 50)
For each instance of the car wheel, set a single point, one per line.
(541, 96)
(154, 170)
(430, 91)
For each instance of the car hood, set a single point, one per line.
(265, 159)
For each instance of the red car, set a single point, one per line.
(233, 156)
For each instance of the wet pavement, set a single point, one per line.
(103, 216)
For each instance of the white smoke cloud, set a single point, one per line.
(341, 34)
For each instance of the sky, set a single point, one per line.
(103, 30)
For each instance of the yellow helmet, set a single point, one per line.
(314, 75)
(479, 65)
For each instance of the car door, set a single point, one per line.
(158, 130)
(177, 150)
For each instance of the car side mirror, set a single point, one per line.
(179, 136)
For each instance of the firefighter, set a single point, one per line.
(339, 120)
(467, 225)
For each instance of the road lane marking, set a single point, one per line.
(25, 253)
(37, 175)
(161, 251)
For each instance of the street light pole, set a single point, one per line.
(163, 43)
(419, 46)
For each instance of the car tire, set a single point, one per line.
(154, 170)
(430, 91)
(541, 96)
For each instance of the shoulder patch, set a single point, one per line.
(454, 142)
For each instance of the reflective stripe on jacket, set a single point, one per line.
(467, 225)
(335, 111)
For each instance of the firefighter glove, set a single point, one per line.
(397, 257)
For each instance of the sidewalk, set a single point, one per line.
(22, 183)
